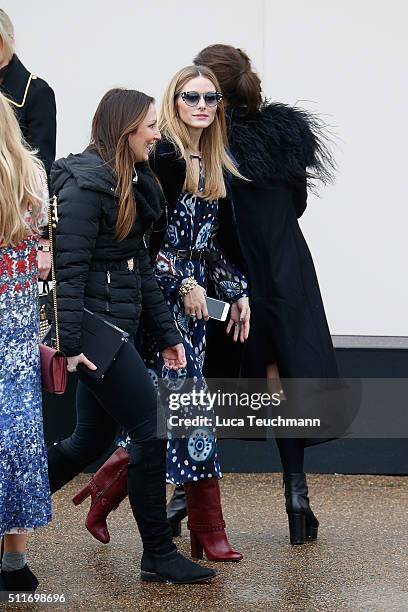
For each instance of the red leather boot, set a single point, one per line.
(206, 523)
(108, 488)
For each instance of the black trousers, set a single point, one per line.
(292, 454)
(126, 398)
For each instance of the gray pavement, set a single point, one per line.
(360, 561)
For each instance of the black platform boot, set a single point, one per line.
(60, 468)
(161, 561)
(303, 524)
(177, 510)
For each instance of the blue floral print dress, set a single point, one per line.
(25, 501)
(193, 225)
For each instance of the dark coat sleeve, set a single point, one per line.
(171, 173)
(41, 123)
(79, 213)
(156, 315)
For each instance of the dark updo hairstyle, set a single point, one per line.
(240, 85)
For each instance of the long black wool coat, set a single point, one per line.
(279, 149)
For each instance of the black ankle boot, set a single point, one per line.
(177, 510)
(161, 561)
(174, 568)
(19, 580)
(60, 468)
(303, 525)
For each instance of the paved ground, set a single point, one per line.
(359, 563)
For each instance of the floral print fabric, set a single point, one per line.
(193, 226)
(25, 501)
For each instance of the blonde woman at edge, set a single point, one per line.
(24, 489)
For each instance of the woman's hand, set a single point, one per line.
(72, 363)
(44, 262)
(195, 304)
(240, 315)
(174, 357)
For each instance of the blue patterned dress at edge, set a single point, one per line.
(25, 501)
(193, 225)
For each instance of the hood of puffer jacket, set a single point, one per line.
(91, 172)
(88, 169)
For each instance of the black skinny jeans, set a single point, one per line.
(125, 398)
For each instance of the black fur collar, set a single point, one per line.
(280, 142)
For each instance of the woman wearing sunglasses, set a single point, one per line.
(282, 151)
(190, 162)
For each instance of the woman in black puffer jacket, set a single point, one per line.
(108, 200)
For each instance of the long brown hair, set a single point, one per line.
(239, 83)
(119, 113)
(20, 181)
(213, 141)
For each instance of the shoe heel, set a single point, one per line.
(176, 529)
(311, 531)
(297, 528)
(196, 546)
(83, 494)
(151, 577)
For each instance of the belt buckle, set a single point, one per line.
(130, 264)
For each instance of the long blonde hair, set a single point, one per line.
(213, 141)
(20, 182)
(7, 35)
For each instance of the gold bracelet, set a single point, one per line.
(187, 286)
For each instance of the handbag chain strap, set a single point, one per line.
(52, 224)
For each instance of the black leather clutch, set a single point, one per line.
(101, 343)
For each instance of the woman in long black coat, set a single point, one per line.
(279, 149)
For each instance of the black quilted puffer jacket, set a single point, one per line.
(94, 269)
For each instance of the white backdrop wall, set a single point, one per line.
(346, 60)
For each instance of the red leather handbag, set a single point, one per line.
(53, 370)
(53, 363)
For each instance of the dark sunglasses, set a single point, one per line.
(192, 98)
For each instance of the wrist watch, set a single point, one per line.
(45, 248)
